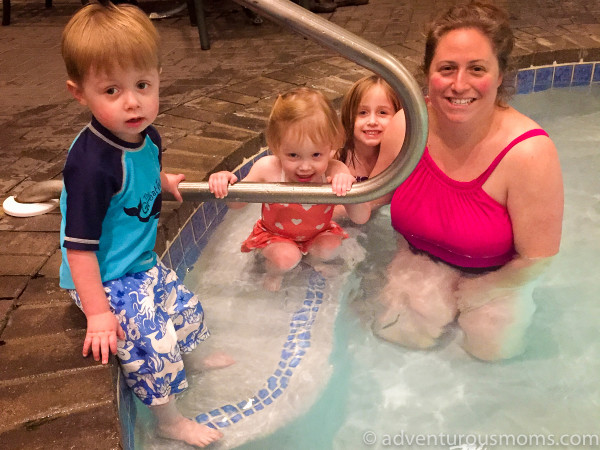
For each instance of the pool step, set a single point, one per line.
(50, 396)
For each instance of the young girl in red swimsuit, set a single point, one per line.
(303, 133)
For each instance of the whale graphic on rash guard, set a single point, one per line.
(154, 212)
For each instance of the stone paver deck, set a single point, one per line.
(214, 106)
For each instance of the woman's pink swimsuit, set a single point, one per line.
(455, 221)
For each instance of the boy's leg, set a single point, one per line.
(187, 315)
(171, 424)
(149, 356)
(194, 362)
(281, 257)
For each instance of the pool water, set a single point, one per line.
(355, 387)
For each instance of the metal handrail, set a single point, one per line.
(356, 49)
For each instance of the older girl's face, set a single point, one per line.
(464, 76)
(373, 115)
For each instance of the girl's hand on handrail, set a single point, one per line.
(218, 183)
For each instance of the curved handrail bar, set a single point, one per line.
(40, 192)
(355, 49)
(367, 55)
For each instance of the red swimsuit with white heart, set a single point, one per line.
(294, 223)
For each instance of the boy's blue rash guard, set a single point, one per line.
(111, 201)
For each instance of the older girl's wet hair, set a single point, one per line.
(491, 20)
(350, 105)
(313, 114)
(103, 37)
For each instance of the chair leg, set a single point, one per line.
(191, 12)
(5, 12)
(201, 23)
(48, 3)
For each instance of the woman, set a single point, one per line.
(482, 211)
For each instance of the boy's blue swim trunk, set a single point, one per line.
(161, 319)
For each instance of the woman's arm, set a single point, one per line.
(519, 274)
(535, 198)
(391, 144)
(535, 202)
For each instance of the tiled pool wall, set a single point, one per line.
(183, 252)
(535, 79)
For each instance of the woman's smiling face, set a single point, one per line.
(464, 75)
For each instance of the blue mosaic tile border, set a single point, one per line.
(537, 79)
(294, 349)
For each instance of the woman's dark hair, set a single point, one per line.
(485, 17)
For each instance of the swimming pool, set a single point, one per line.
(348, 387)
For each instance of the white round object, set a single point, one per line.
(16, 209)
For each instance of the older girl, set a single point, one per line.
(367, 109)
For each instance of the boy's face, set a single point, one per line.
(125, 101)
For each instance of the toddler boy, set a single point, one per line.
(135, 307)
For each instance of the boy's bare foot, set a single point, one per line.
(189, 431)
(199, 363)
(216, 360)
(272, 282)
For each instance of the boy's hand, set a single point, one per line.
(341, 183)
(218, 183)
(103, 329)
(170, 183)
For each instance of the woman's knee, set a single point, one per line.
(404, 328)
(497, 329)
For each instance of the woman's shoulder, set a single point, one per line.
(530, 149)
(518, 121)
(516, 126)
